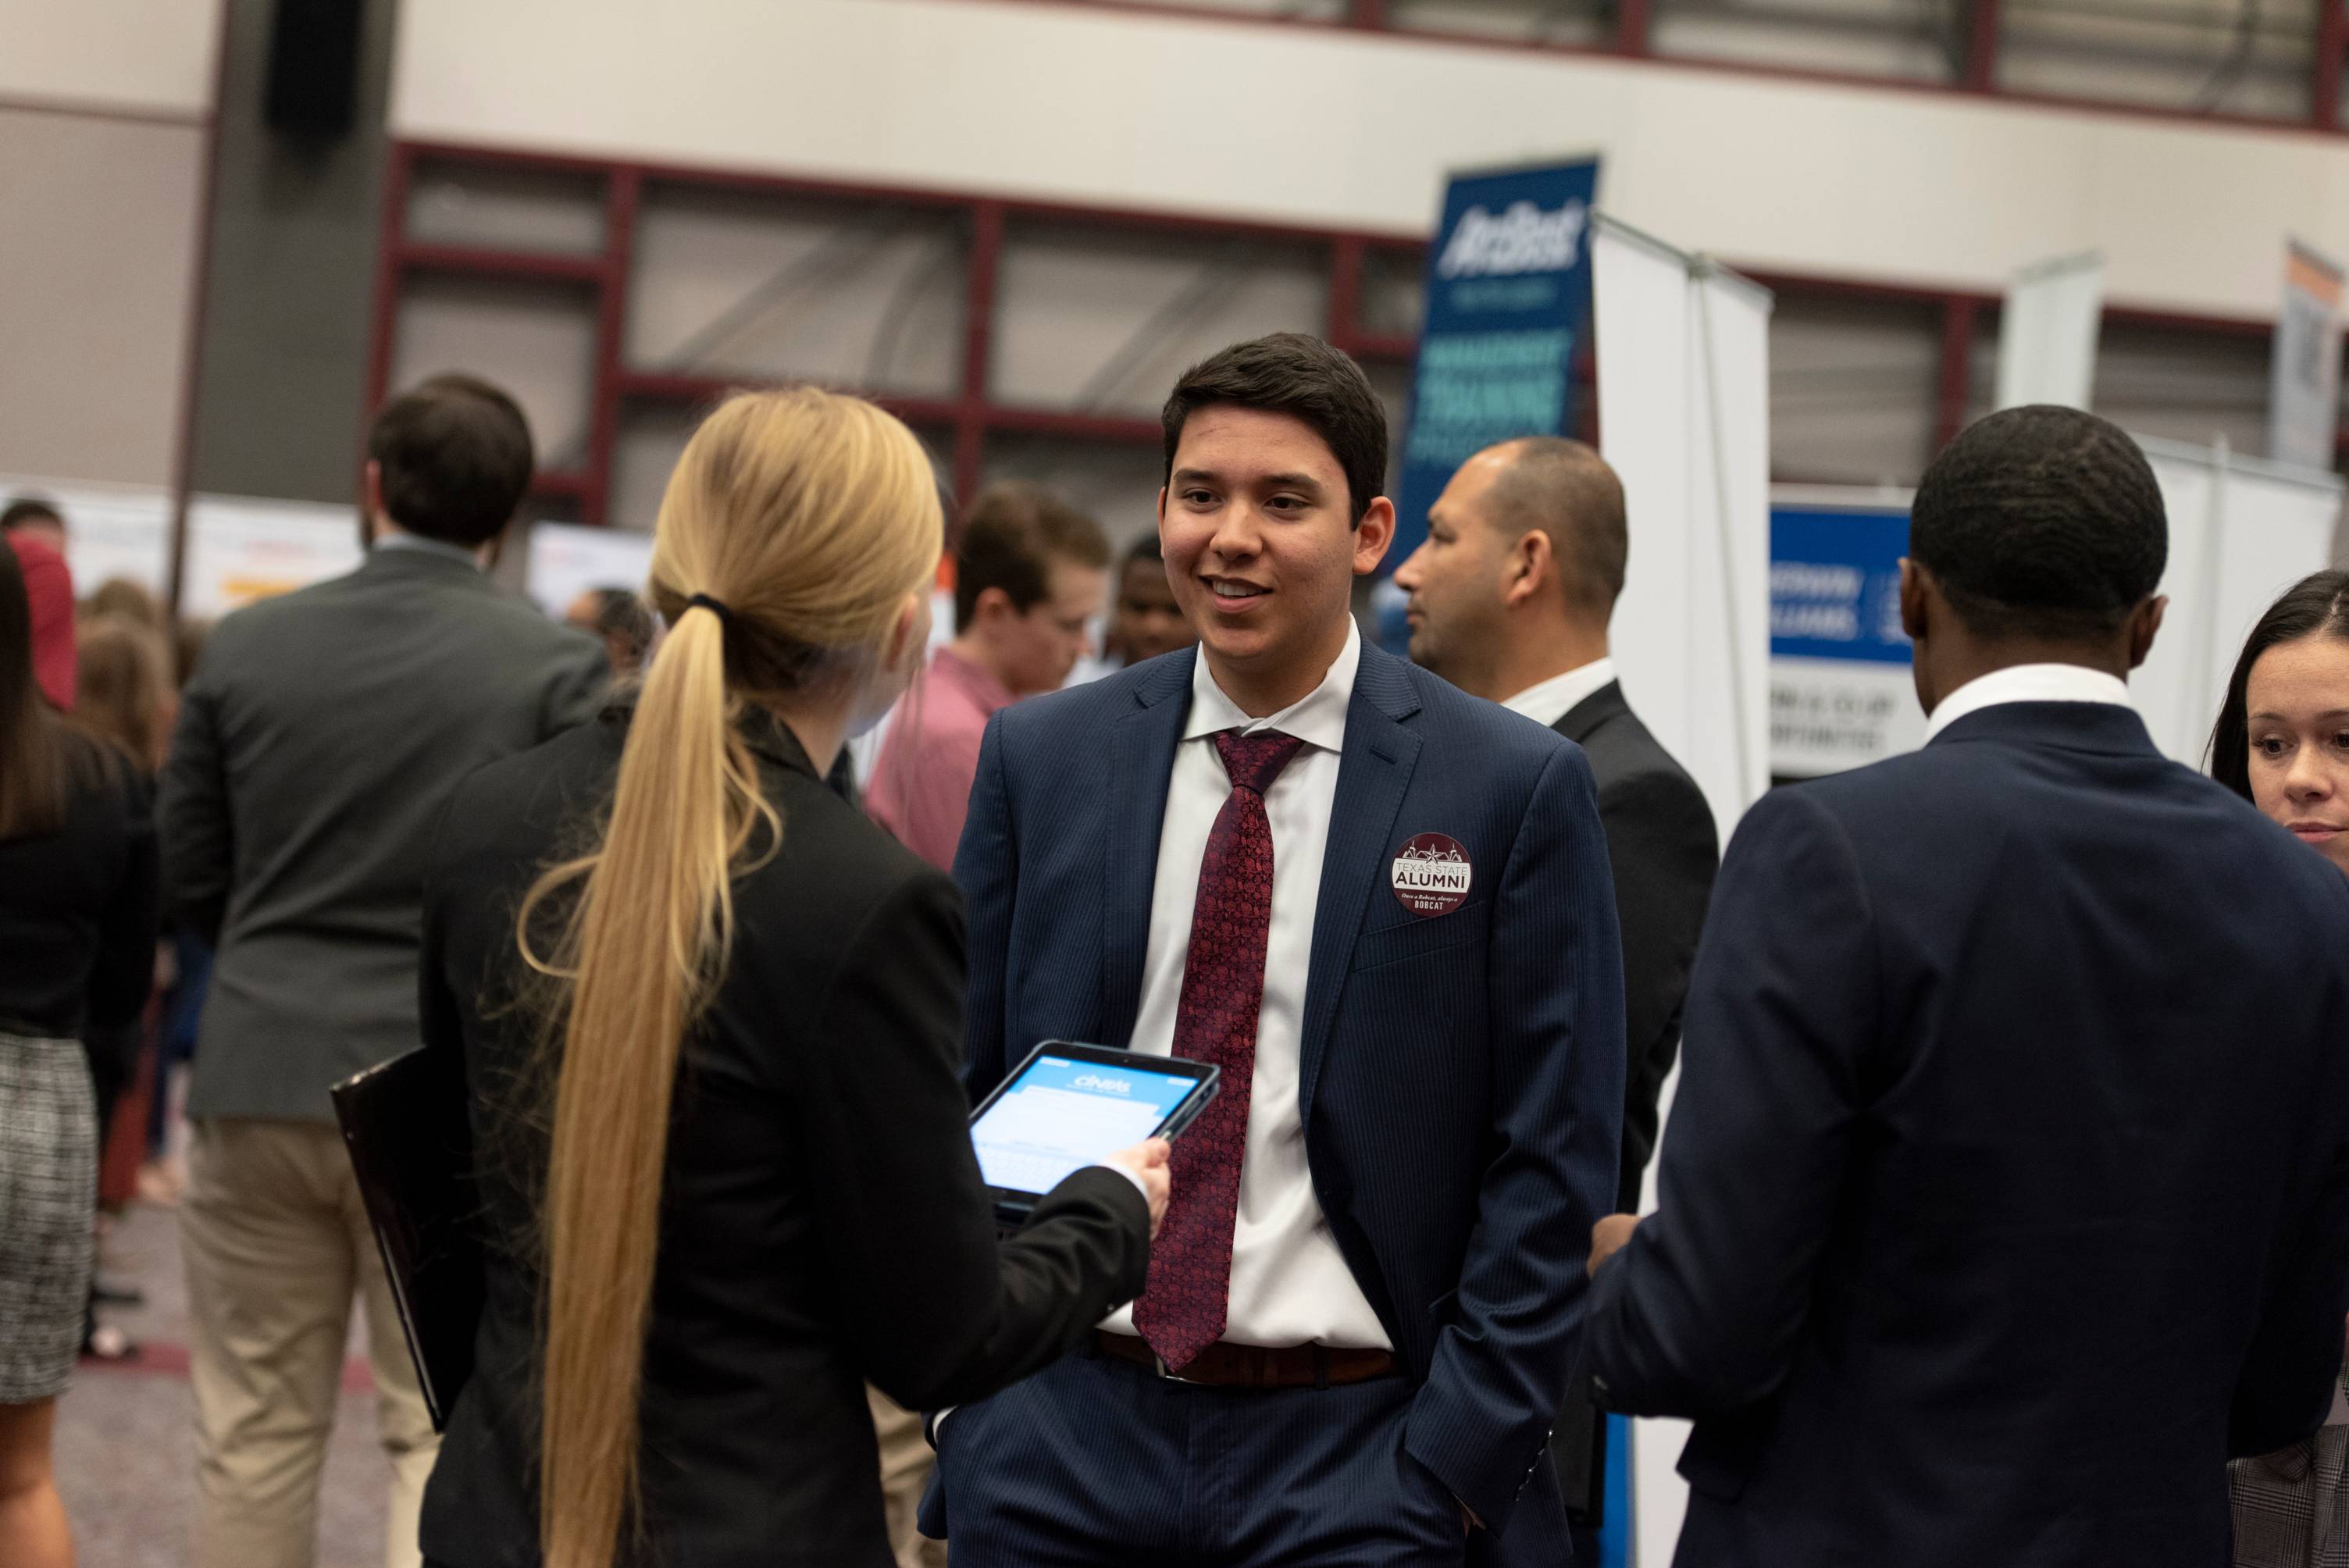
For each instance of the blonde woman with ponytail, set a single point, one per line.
(710, 1021)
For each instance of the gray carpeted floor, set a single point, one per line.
(125, 1449)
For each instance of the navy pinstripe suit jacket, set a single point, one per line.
(1463, 1074)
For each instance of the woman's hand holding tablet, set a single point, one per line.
(1146, 1161)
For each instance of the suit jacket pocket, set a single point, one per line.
(1416, 937)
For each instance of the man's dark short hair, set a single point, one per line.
(1566, 490)
(30, 508)
(1142, 549)
(455, 455)
(1014, 535)
(2042, 522)
(1294, 374)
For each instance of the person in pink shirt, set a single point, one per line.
(1031, 573)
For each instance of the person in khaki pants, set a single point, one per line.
(276, 1247)
(318, 744)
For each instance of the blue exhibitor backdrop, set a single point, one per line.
(1835, 582)
(1508, 293)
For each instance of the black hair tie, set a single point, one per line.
(725, 615)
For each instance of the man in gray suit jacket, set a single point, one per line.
(1510, 598)
(318, 741)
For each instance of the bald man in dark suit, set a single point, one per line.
(1510, 598)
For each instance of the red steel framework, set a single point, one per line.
(971, 414)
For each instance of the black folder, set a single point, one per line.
(405, 1124)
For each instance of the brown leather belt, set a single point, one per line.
(1228, 1365)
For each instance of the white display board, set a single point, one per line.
(241, 549)
(2241, 532)
(2048, 333)
(566, 560)
(111, 531)
(1684, 419)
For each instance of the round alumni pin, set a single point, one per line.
(1430, 874)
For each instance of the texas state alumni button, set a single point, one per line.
(1430, 874)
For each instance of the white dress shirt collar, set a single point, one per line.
(1553, 699)
(1317, 718)
(2026, 683)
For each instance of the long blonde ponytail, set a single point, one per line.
(811, 517)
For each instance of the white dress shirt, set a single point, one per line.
(2027, 683)
(1290, 1284)
(1560, 695)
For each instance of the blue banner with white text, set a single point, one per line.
(1508, 298)
(1841, 691)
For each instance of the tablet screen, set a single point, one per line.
(1063, 1113)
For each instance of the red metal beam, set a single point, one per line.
(2324, 80)
(1345, 293)
(611, 328)
(184, 449)
(1981, 48)
(1632, 26)
(389, 243)
(1111, 430)
(1390, 347)
(694, 389)
(977, 346)
(1956, 370)
(482, 261)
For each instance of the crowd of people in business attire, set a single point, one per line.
(2007, 1194)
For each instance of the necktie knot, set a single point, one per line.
(1254, 761)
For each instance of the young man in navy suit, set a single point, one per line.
(2006, 1193)
(1383, 908)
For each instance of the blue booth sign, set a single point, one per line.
(1835, 583)
(1840, 688)
(1508, 293)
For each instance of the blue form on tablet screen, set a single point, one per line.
(1063, 1111)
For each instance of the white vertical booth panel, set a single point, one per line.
(2048, 333)
(1683, 418)
(2241, 532)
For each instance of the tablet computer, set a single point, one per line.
(1070, 1106)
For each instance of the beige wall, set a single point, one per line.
(100, 217)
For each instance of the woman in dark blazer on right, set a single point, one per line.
(711, 1019)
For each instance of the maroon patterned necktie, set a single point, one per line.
(1182, 1308)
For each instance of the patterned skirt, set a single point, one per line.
(48, 1203)
(2291, 1507)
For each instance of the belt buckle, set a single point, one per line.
(1158, 1365)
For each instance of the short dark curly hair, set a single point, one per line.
(1298, 374)
(2042, 522)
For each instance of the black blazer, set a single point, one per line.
(78, 906)
(1661, 843)
(1664, 851)
(2007, 1192)
(823, 1221)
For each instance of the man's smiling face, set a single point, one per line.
(1260, 538)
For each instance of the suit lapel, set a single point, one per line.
(1373, 773)
(1142, 765)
